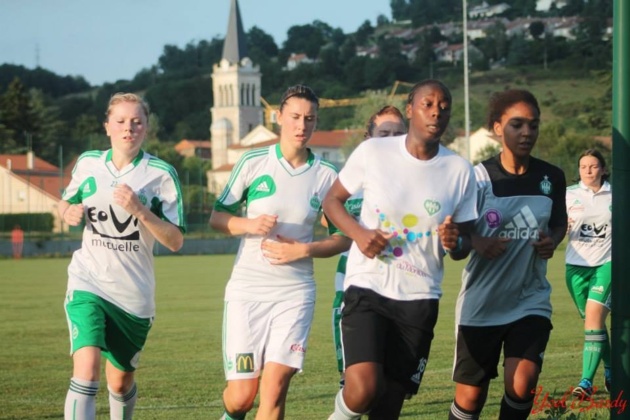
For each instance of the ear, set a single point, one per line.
(498, 129)
(106, 128)
(408, 111)
(278, 117)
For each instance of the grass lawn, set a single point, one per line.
(181, 374)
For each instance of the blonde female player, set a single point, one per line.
(269, 299)
(129, 199)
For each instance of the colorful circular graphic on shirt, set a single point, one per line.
(493, 218)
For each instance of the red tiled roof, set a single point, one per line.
(19, 163)
(186, 144)
(43, 176)
(332, 138)
(224, 168)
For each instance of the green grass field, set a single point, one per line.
(181, 375)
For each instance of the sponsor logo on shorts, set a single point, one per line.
(417, 377)
(297, 348)
(135, 360)
(244, 362)
(75, 332)
(522, 226)
(597, 289)
(541, 355)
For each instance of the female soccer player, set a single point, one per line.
(129, 199)
(588, 263)
(395, 266)
(270, 297)
(504, 302)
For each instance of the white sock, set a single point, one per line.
(121, 406)
(81, 400)
(342, 412)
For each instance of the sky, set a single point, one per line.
(114, 39)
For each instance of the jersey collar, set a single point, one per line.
(114, 171)
(290, 169)
(604, 188)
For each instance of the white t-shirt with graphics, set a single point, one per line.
(411, 198)
(590, 229)
(266, 183)
(115, 260)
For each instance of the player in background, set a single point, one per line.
(395, 266)
(504, 302)
(386, 122)
(273, 199)
(129, 199)
(588, 275)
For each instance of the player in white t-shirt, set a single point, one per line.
(129, 200)
(386, 122)
(270, 297)
(588, 263)
(418, 202)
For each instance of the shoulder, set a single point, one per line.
(90, 156)
(544, 166)
(159, 165)
(326, 165)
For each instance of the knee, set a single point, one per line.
(361, 394)
(120, 385)
(238, 402)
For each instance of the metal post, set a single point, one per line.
(620, 289)
(466, 100)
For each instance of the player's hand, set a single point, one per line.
(448, 233)
(489, 247)
(544, 246)
(372, 242)
(283, 250)
(127, 199)
(261, 225)
(73, 214)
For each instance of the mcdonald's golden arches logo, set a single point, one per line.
(244, 362)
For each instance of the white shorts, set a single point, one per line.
(255, 333)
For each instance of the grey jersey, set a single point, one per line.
(514, 285)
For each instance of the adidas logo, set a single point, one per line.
(522, 226)
(87, 188)
(262, 187)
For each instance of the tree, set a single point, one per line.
(536, 29)
(363, 33)
(307, 39)
(260, 45)
(16, 111)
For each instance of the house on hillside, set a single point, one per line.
(199, 148)
(545, 5)
(29, 184)
(480, 142)
(485, 10)
(237, 114)
(295, 60)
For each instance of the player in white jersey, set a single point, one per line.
(395, 265)
(386, 122)
(588, 260)
(504, 303)
(129, 199)
(269, 299)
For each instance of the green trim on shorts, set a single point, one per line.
(589, 283)
(96, 322)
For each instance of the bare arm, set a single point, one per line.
(70, 213)
(370, 241)
(285, 250)
(237, 225)
(165, 232)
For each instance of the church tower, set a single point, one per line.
(236, 90)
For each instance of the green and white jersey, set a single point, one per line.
(266, 183)
(513, 285)
(115, 260)
(353, 207)
(409, 198)
(590, 228)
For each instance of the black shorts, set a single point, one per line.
(478, 349)
(394, 333)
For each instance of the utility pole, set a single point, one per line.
(466, 100)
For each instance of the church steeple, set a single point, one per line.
(235, 44)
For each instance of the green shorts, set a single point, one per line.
(589, 283)
(93, 321)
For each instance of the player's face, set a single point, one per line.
(126, 126)
(519, 129)
(388, 125)
(297, 122)
(429, 113)
(591, 171)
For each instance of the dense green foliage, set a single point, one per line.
(37, 222)
(43, 111)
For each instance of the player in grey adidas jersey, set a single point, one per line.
(504, 301)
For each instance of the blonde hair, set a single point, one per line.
(126, 97)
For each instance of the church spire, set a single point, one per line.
(235, 44)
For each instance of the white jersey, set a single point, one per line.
(590, 227)
(410, 198)
(268, 184)
(115, 260)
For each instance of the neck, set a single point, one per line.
(295, 157)
(595, 187)
(514, 165)
(121, 160)
(422, 149)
